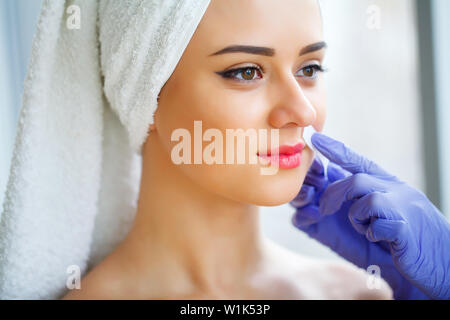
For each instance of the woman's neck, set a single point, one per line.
(204, 239)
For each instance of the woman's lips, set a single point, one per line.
(286, 156)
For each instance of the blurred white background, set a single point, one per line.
(374, 93)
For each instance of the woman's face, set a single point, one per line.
(279, 88)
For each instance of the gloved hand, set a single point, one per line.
(370, 217)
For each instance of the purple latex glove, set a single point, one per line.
(370, 217)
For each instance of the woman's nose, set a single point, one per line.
(291, 108)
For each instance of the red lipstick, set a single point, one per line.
(286, 156)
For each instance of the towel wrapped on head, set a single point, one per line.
(88, 101)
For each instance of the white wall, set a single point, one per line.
(441, 25)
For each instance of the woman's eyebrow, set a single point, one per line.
(264, 51)
(313, 47)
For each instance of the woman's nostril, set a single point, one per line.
(291, 125)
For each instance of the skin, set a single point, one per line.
(196, 234)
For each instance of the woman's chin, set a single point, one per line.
(270, 196)
(273, 202)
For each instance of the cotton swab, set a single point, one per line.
(307, 134)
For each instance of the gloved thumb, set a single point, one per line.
(386, 230)
(304, 197)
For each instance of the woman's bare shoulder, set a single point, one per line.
(104, 281)
(328, 279)
(116, 278)
(347, 281)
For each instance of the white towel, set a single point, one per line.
(88, 100)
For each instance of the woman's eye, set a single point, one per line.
(242, 74)
(247, 74)
(311, 71)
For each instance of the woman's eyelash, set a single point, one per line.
(231, 74)
(318, 67)
(315, 67)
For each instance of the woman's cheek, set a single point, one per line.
(228, 112)
(321, 110)
(320, 103)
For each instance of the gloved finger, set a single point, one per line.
(304, 197)
(306, 216)
(350, 188)
(373, 205)
(372, 216)
(345, 157)
(396, 233)
(386, 230)
(361, 211)
(326, 230)
(317, 166)
(320, 182)
(334, 172)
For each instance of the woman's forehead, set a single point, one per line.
(260, 22)
(257, 10)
